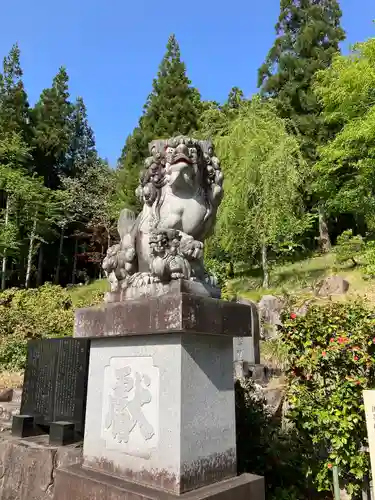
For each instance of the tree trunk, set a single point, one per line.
(75, 261)
(100, 264)
(57, 274)
(266, 278)
(108, 240)
(39, 276)
(230, 270)
(4, 265)
(30, 254)
(324, 239)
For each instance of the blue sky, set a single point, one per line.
(112, 49)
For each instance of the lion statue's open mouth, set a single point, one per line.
(181, 158)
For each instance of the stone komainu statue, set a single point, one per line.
(181, 188)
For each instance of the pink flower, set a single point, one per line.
(355, 358)
(324, 354)
(329, 466)
(293, 315)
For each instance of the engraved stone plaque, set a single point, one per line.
(55, 381)
(130, 418)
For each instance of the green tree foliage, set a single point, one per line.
(128, 169)
(86, 204)
(172, 108)
(235, 98)
(89, 201)
(54, 141)
(82, 151)
(348, 247)
(331, 361)
(258, 154)
(215, 118)
(14, 106)
(53, 129)
(16, 188)
(308, 36)
(345, 175)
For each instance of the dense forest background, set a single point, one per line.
(298, 156)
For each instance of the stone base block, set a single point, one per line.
(77, 483)
(178, 312)
(25, 426)
(160, 410)
(61, 433)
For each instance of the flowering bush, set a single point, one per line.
(330, 362)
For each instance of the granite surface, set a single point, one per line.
(178, 312)
(160, 410)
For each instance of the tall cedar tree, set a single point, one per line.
(172, 108)
(308, 36)
(82, 151)
(14, 106)
(53, 129)
(15, 161)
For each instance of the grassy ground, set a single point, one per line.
(11, 380)
(296, 277)
(301, 277)
(86, 294)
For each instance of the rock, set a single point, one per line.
(7, 410)
(270, 308)
(27, 467)
(10, 403)
(6, 395)
(332, 285)
(274, 394)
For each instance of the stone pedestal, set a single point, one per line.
(160, 404)
(79, 483)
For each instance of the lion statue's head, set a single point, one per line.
(185, 165)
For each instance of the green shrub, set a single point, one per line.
(222, 271)
(348, 247)
(330, 362)
(13, 350)
(369, 255)
(34, 313)
(218, 269)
